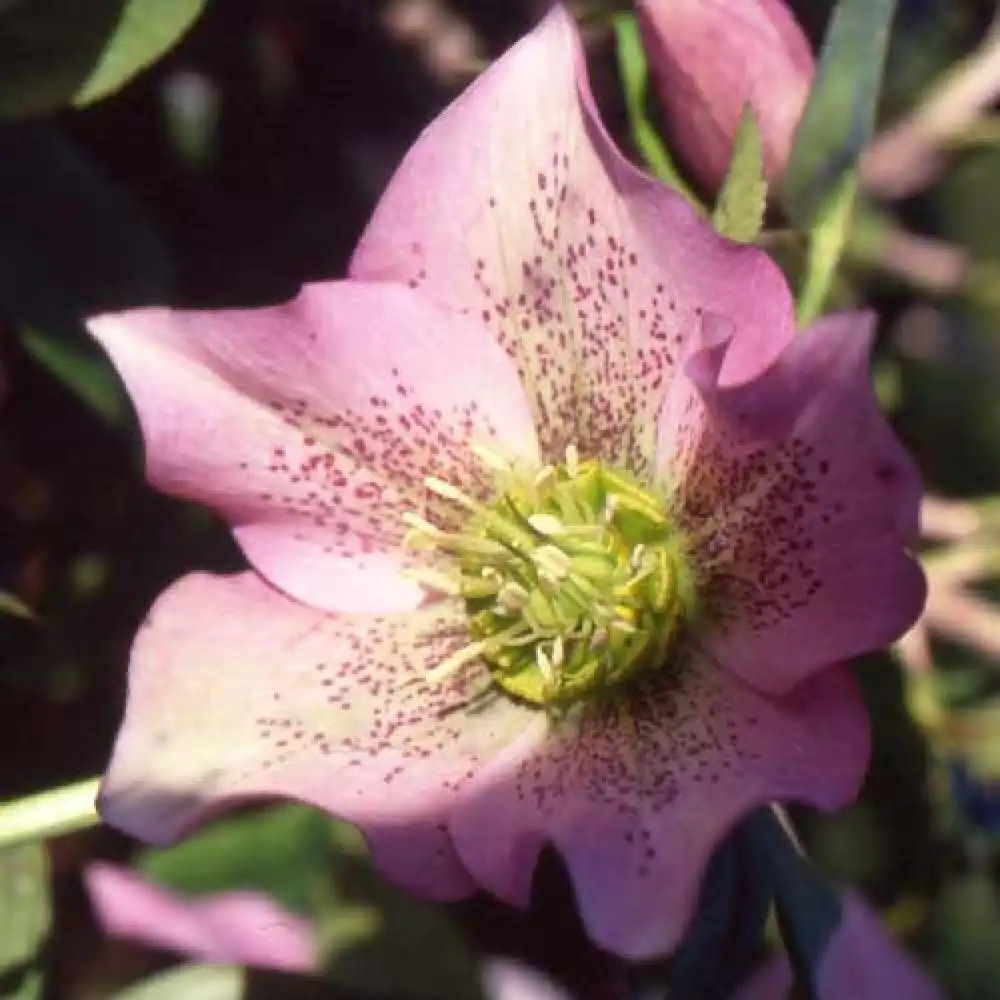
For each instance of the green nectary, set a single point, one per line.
(574, 580)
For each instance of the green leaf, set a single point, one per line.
(739, 212)
(826, 243)
(192, 982)
(724, 939)
(635, 84)
(371, 937)
(840, 115)
(25, 917)
(276, 851)
(55, 53)
(808, 910)
(80, 367)
(71, 245)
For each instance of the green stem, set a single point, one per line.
(50, 813)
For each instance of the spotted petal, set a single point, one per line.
(312, 425)
(800, 503)
(237, 692)
(515, 206)
(636, 795)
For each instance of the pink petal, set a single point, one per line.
(709, 58)
(505, 979)
(862, 963)
(311, 426)
(800, 502)
(516, 205)
(243, 928)
(236, 692)
(636, 795)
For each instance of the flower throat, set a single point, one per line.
(574, 580)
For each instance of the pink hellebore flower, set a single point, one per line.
(709, 58)
(860, 963)
(560, 531)
(244, 928)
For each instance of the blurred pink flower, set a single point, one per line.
(248, 928)
(861, 963)
(559, 531)
(708, 58)
(244, 928)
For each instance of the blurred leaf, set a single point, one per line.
(635, 81)
(371, 936)
(725, 937)
(25, 917)
(739, 212)
(277, 851)
(964, 936)
(56, 53)
(190, 982)
(826, 243)
(973, 734)
(72, 244)
(87, 373)
(840, 115)
(377, 939)
(809, 910)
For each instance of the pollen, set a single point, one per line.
(575, 578)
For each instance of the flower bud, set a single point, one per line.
(708, 58)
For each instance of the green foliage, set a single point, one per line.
(826, 243)
(739, 212)
(820, 182)
(56, 54)
(192, 982)
(25, 916)
(964, 937)
(840, 115)
(80, 369)
(808, 909)
(71, 245)
(634, 74)
(371, 937)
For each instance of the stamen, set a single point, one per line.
(545, 665)
(453, 663)
(449, 492)
(552, 561)
(420, 525)
(433, 580)
(545, 477)
(512, 596)
(558, 652)
(491, 459)
(572, 461)
(573, 579)
(547, 524)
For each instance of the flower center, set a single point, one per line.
(574, 579)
